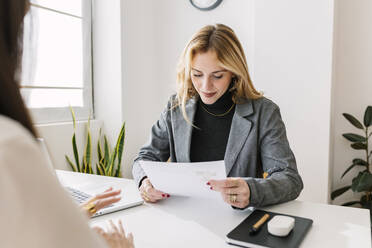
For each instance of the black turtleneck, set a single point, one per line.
(208, 143)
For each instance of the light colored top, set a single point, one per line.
(35, 211)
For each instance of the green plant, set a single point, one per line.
(363, 181)
(86, 164)
(109, 162)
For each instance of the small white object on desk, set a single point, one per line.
(280, 225)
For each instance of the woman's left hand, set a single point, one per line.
(234, 190)
(116, 237)
(100, 201)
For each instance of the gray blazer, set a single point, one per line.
(257, 143)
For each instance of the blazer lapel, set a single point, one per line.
(239, 131)
(183, 131)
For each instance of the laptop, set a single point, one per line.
(130, 196)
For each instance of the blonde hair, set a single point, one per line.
(222, 40)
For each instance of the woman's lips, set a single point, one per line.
(209, 94)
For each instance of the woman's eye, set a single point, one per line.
(217, 76)
(197, 75)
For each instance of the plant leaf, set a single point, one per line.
(89, 162)
(120, 147)
(359, 146)
(359, 161)
(102, 162)
(339, 191)
(354, 137)
(348, 169)
(107, 152)
(99, 147)
(363, 199)
(351, 203)
(70, 163)
(76, 152)
(112, 163)
(99, 151)
(362, 182)
(73, 117)
(366, 202)
(83, 169)
(356, 162)
(88, 122)
(368, 116)
(88, 154)
(353, 121)
(98, 170)
(103, 169)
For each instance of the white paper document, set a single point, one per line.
(185, 179)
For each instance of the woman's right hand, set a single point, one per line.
(149, 193)
(100, 201)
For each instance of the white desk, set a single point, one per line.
(183, 222)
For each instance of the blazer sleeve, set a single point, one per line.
(283, 182)
(156, 148)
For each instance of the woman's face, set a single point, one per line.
(209, 79)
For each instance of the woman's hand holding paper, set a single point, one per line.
(234, 190)
(149, 193)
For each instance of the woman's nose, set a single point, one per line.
(207, 84)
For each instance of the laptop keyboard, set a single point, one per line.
(81, 197)
(78, 195)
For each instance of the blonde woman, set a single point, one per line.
(217, 114)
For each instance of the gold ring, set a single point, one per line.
(145, 196)
(91, 208)
(233, 198)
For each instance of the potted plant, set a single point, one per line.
(362, 182)
(109, 160)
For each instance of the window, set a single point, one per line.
(56, 66)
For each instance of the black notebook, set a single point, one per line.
(240, 235)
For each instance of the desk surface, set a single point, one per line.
(188, 222)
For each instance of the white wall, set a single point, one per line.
(352, 84)
(293, 66)
(154, 35)
(107, 66)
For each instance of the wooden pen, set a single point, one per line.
(256, 227)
